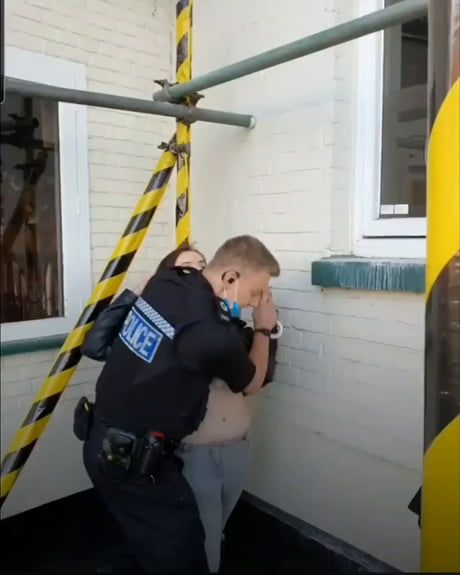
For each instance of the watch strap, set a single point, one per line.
(263, 331)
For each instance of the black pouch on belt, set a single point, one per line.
(82, 419)
(119, 453)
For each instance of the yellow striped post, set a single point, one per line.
(70, 354)
(184, 15)
(441, 474)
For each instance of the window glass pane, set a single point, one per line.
(403, 191)
(31, 263)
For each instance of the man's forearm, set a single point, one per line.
(259, 357)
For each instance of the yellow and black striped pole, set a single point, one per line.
(440, 520)
(184, 14)
(69, 356)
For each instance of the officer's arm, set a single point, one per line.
(98, 342)
(217, 350)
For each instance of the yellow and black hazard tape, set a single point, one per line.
(440, 520)
(184, 17)
(70, 354)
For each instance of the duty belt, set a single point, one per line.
(123, 452)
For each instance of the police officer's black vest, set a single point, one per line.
(143, 387)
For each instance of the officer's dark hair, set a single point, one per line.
(246, 252)
(169, 261)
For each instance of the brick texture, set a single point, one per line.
(338, 435)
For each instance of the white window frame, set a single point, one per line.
(74, 189)
(374, 236)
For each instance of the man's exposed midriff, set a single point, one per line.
(227, 417)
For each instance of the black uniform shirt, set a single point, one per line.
(176, 338)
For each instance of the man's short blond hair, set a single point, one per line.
(245, 252)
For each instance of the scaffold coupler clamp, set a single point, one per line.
(165, 96)
(175, 148)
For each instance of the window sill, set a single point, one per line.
(31, 345)
(373, 274)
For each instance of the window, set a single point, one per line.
(404, 121)
(45, 263)
(31, 263)
(392, 125)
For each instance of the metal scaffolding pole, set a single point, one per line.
(184, 21)
(99, 100)
(440, 521)
(395, 14)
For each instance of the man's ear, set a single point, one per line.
(229, 277)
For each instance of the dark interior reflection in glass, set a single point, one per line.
(403, 188)
(31, 262)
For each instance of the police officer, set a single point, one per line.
(153, 391)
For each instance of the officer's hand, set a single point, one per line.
(265, 315)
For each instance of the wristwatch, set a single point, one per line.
(263, 331)
(270, 333)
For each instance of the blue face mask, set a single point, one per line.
(234, 309)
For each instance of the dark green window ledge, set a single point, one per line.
(371, 274)
(31, 345)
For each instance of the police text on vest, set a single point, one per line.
(140, 336)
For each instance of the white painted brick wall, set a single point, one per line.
(338, 439)
(338, 435)
(125, 45)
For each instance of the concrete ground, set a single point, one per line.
(77, 535)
